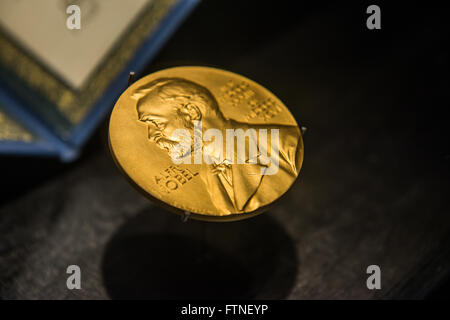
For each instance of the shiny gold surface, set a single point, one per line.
(141, 136)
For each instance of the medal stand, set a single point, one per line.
(185, 216)
(130, 78)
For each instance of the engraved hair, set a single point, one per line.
(186, 92)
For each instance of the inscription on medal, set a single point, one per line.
(266, 109)
(173, 177)
(241, 93)
(236, 93)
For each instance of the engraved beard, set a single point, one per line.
(162, 141)
(171, 145)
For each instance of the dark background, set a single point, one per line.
(373, 188)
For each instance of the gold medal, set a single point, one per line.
(205, 142)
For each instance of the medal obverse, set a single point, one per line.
(205, 141)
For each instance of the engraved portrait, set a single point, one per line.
(167, 104)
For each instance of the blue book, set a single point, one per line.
(62, 66)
